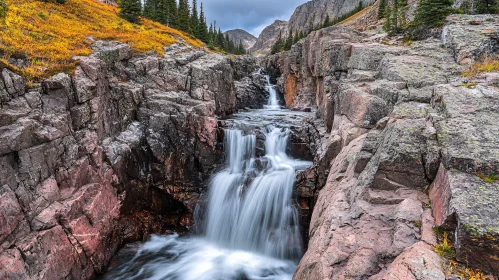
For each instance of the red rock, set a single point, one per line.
(418, 262)
(10, 212)
(12, 266)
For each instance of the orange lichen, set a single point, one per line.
(48, 34)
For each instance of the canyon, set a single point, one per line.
(375, 146)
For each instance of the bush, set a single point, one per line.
(3, 8)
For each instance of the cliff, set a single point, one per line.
(411, 143)
(314, 12)
(306, 17)
(111, 154)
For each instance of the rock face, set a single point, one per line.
(399, 124)
(239, 35)
(109, 155)
(314, 12)
(268, 37)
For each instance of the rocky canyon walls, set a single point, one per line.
(405, 140)
(110, 154)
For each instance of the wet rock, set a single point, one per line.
(211, 80)
(251, 92)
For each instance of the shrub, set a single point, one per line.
(3, 8)
(489, 64)
(50, 43)
(490, 178)
(444, 248)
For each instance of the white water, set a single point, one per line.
(444, 34)
(250, 229)
(273, 99)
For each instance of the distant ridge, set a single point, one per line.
(237, 35)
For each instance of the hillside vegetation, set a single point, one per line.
(48, 34)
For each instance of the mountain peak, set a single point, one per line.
(238, 34)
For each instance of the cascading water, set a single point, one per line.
(273, 100)
(250, 229)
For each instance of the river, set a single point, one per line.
(249, 228)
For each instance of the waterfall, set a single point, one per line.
(250, 208)
(273, 102)
(444, 34)
(250, 228)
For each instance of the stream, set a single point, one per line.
(249, 228)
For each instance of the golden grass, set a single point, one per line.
(445, 248)
(357, 15)
(489, 64)
(454, 268)
(50, 34)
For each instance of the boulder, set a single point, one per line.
(468, 205)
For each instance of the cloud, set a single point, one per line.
(250, 15)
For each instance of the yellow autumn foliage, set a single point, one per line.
(50, 34)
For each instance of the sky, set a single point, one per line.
(250, 15)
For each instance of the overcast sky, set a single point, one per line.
(250, 15)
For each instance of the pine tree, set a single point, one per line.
(296, 38)
(429, 14)
(183, 16)
(278, 45)
(194, 20)
(486, 7)
(387, 25)
(432, 12)
(395, 16)
(161, 12)
(221, 40)
(150, 9)
(210, 32)
(382, 8)
(171, 13)
(302, 35)
(203, 34)
(327, 22)
(289, 40)
(130, 10)
(240, 48)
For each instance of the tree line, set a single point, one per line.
(181, 16)
(285, 43)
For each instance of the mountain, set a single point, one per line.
(314, 12)
(305, 17)
(237, 35)
(268, 37)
